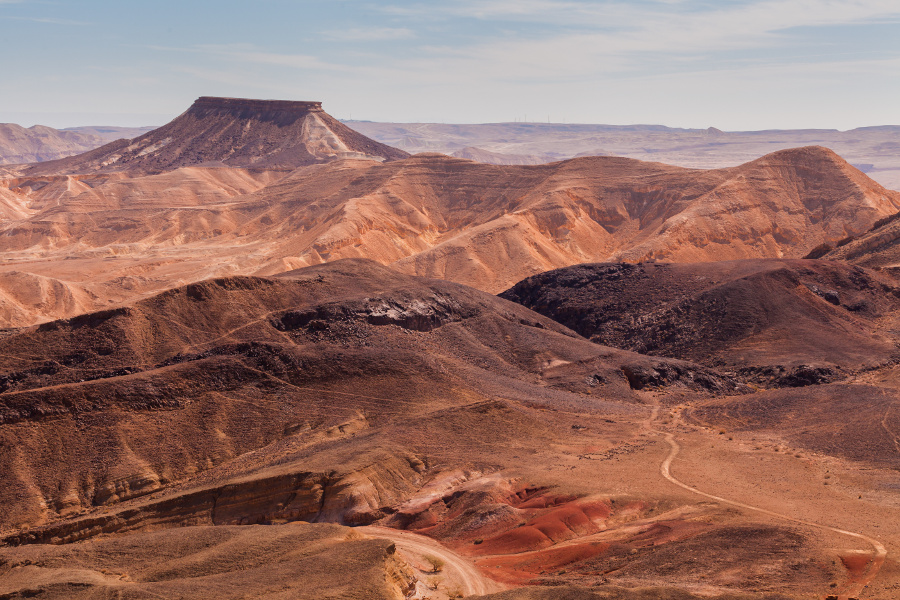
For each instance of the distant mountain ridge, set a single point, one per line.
(21, 145)
(39, 143)
(109, 133)
(874, 150)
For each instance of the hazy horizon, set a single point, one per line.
(624, 125)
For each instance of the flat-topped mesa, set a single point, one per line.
(283, 112)
(251, 104)
(233, 132)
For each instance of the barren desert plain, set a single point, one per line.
(254, 353)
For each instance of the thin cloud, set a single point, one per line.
(49, 21)
(764, 15)
(614, 37)
(249, 53)
(370, 34)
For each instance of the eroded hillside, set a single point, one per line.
(351, 394)
(90, 240)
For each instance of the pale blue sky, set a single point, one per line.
(732, 64)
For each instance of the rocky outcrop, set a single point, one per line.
(357, 495)
(415, 314)
(877, 248)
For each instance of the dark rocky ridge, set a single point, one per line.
(249, 108)
(783, 322)
(234, 132)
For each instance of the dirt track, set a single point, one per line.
(852, 589)
(457, 570)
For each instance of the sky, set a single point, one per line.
(733, 64)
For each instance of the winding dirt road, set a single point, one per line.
(461, 572)
(852, 589)
(457, 570)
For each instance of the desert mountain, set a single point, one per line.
(19, 145)
(39, 143)
(232, 132)
(352, 330)
(789, 322)
(342, 393)
(86, 240)
(160, 448)
(196, 379)
(874, 150)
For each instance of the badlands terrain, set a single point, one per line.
(254, 353)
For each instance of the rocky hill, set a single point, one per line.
(232, 132)
(232, 366)
(343, 393)
(178, 437)
(81, 241)
(787, 322)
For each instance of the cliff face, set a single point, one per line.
(232, 132)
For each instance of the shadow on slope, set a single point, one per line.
(778, 322)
